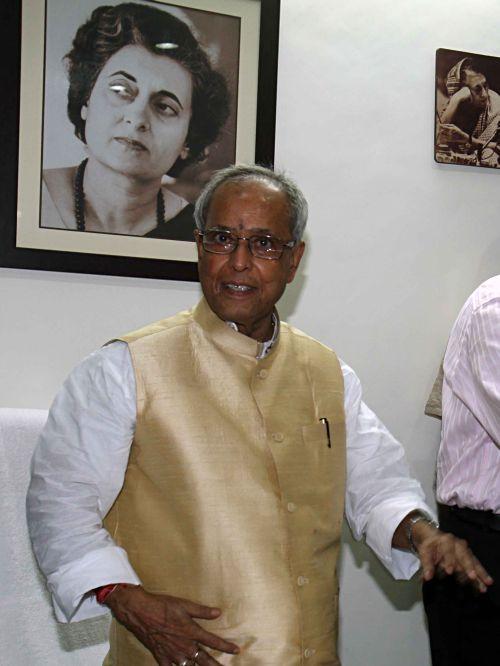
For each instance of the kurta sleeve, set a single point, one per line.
(379, 490)
(78, 470)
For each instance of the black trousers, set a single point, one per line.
(464, 625)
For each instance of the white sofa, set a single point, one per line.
(29, 634)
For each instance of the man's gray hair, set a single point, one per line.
(243, 172)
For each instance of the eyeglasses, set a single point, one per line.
(220, 241)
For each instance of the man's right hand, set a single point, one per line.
(166, 627)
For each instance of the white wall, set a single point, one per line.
(396, 243)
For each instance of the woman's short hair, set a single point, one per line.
(297, 203)
(109, 29)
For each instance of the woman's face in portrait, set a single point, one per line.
(138, 114)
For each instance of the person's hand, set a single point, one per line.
(449, 132)
(442, 553)
(461, 95)
(166, 627)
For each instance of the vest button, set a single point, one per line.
(262, 374)
(309, 652)
(278, 436)
(302, 580)
(291, 507)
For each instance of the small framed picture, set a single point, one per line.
(467, 112)
(125, 111)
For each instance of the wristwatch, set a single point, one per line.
(413, 520)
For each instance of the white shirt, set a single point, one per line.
(79, 465)
(468, 467)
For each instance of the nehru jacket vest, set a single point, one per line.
(234, 490)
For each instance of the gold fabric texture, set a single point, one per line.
(433, 406)
(232, 496)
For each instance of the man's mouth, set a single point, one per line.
(238, 288)
(130, 143)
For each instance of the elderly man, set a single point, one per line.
(192, 475)
(463, 626)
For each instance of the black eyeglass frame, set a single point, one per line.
(284, 244)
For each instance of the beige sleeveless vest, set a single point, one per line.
(234, 493)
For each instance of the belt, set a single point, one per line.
(485, 519)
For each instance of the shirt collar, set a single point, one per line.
(226, 336)
(265, 347)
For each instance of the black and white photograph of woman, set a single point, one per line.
(148, 105)
(467, 109)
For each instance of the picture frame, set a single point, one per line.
(24, 242)
(467, 109)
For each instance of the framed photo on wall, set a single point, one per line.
(467, 113)
(124, 111)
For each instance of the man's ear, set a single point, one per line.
(199, 243)
(297, 254)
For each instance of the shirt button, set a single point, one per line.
(262, 374)
(278, 436)
(309, 652)
(291, 507)
(302, 580)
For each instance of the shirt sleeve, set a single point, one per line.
(474, 379)
(379, 489)
(78, 469)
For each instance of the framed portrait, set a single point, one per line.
(467, 111)
(119, 114)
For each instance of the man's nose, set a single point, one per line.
(241, 258)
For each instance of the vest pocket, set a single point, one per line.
(322, 473)
(328, 432)
(315, 433)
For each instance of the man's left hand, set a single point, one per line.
(441, 553)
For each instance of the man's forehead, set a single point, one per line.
(241, 226)
(256, 205)
(249, 188)
(252, 205)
